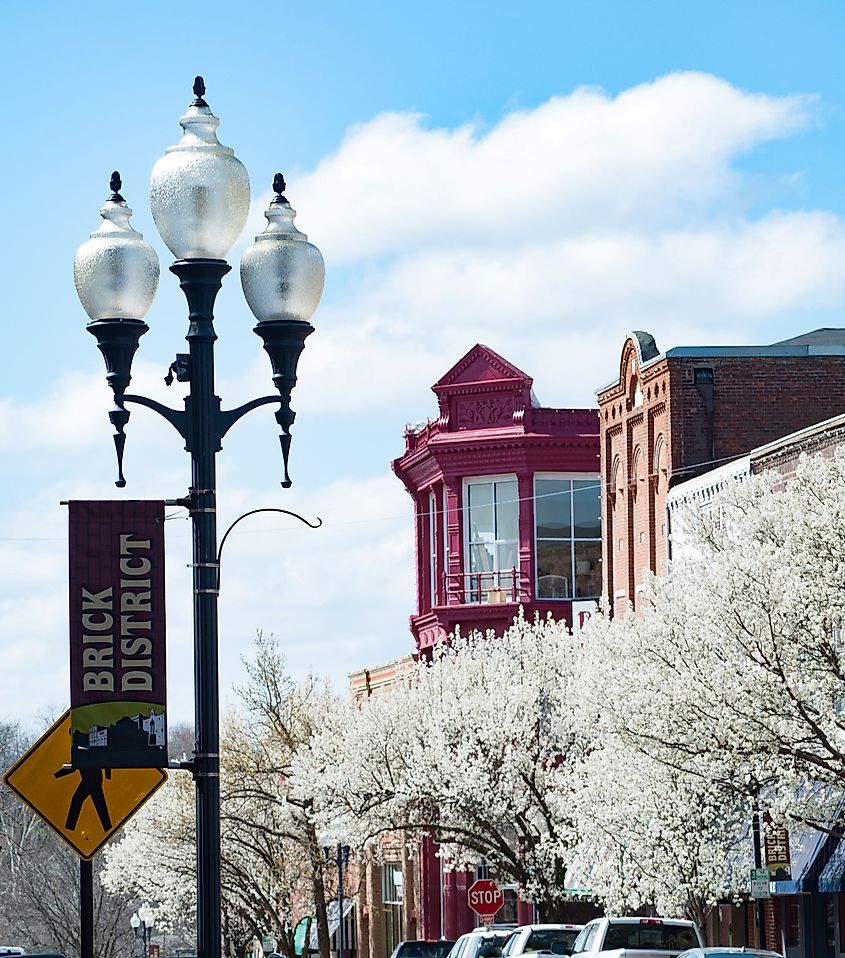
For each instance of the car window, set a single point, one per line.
(584, 941)
(492, 947)
(558, 940)
(423, 949)
(457, 949)
(647, 935)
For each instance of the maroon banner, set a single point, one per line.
(776, 845)
(117, 634)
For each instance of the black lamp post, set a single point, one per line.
(341, 859)
(200, 200)
(142, 920)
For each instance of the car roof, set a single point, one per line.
(732, 950)
(656, 919)
(558, 926)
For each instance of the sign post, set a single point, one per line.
(485, 899)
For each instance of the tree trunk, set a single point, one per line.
(319, 892)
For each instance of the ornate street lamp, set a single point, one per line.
(341, 860)
(143, 920)
(199, 197)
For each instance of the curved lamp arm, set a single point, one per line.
(252, 512)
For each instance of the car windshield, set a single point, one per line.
(558, 940)
(424, 949)
(649, 934)
(488, 946)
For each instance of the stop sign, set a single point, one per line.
(485, 897)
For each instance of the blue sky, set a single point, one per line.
(540, 177)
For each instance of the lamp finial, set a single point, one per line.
(279, 184)
(115, 185)
(199, 92)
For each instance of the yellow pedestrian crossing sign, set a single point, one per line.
(86, 807)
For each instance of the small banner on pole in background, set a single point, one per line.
(117, 634)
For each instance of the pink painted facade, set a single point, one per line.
(483, 476)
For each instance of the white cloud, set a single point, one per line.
(658, 153)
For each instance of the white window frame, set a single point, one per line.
(432, 546)
(477, 481)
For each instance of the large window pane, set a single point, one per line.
(481, 558)
(552, 505)
(554, 569)
(508, 556)
(587, 509)
(587, 570)
(480, 500)
(507, 510)
(493, 533)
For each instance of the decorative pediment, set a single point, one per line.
(482, 390)
(481, 365)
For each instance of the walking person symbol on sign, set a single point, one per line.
(90, 786)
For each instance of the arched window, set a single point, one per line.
(658, 461)
(636, 468)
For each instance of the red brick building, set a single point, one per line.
(670, 416)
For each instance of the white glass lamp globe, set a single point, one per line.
(199, 190)
(282, 274)
(115, 271)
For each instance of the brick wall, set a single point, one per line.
(672, 417)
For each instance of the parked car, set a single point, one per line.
(420, 948)
(556, 939)
(717, 951)
(481, 943)
(637, 937)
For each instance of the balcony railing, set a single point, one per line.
(482, 588)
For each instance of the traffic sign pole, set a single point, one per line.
(86, 908)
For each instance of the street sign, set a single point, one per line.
(485, 899)
(760, 879)
(85, 807)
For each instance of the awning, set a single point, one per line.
(832, 878)
(331, 916)
(586, 870)
(810, 850)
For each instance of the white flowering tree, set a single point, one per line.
(731, 680)
(650, 834)
(472, 749)
(271, 869)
